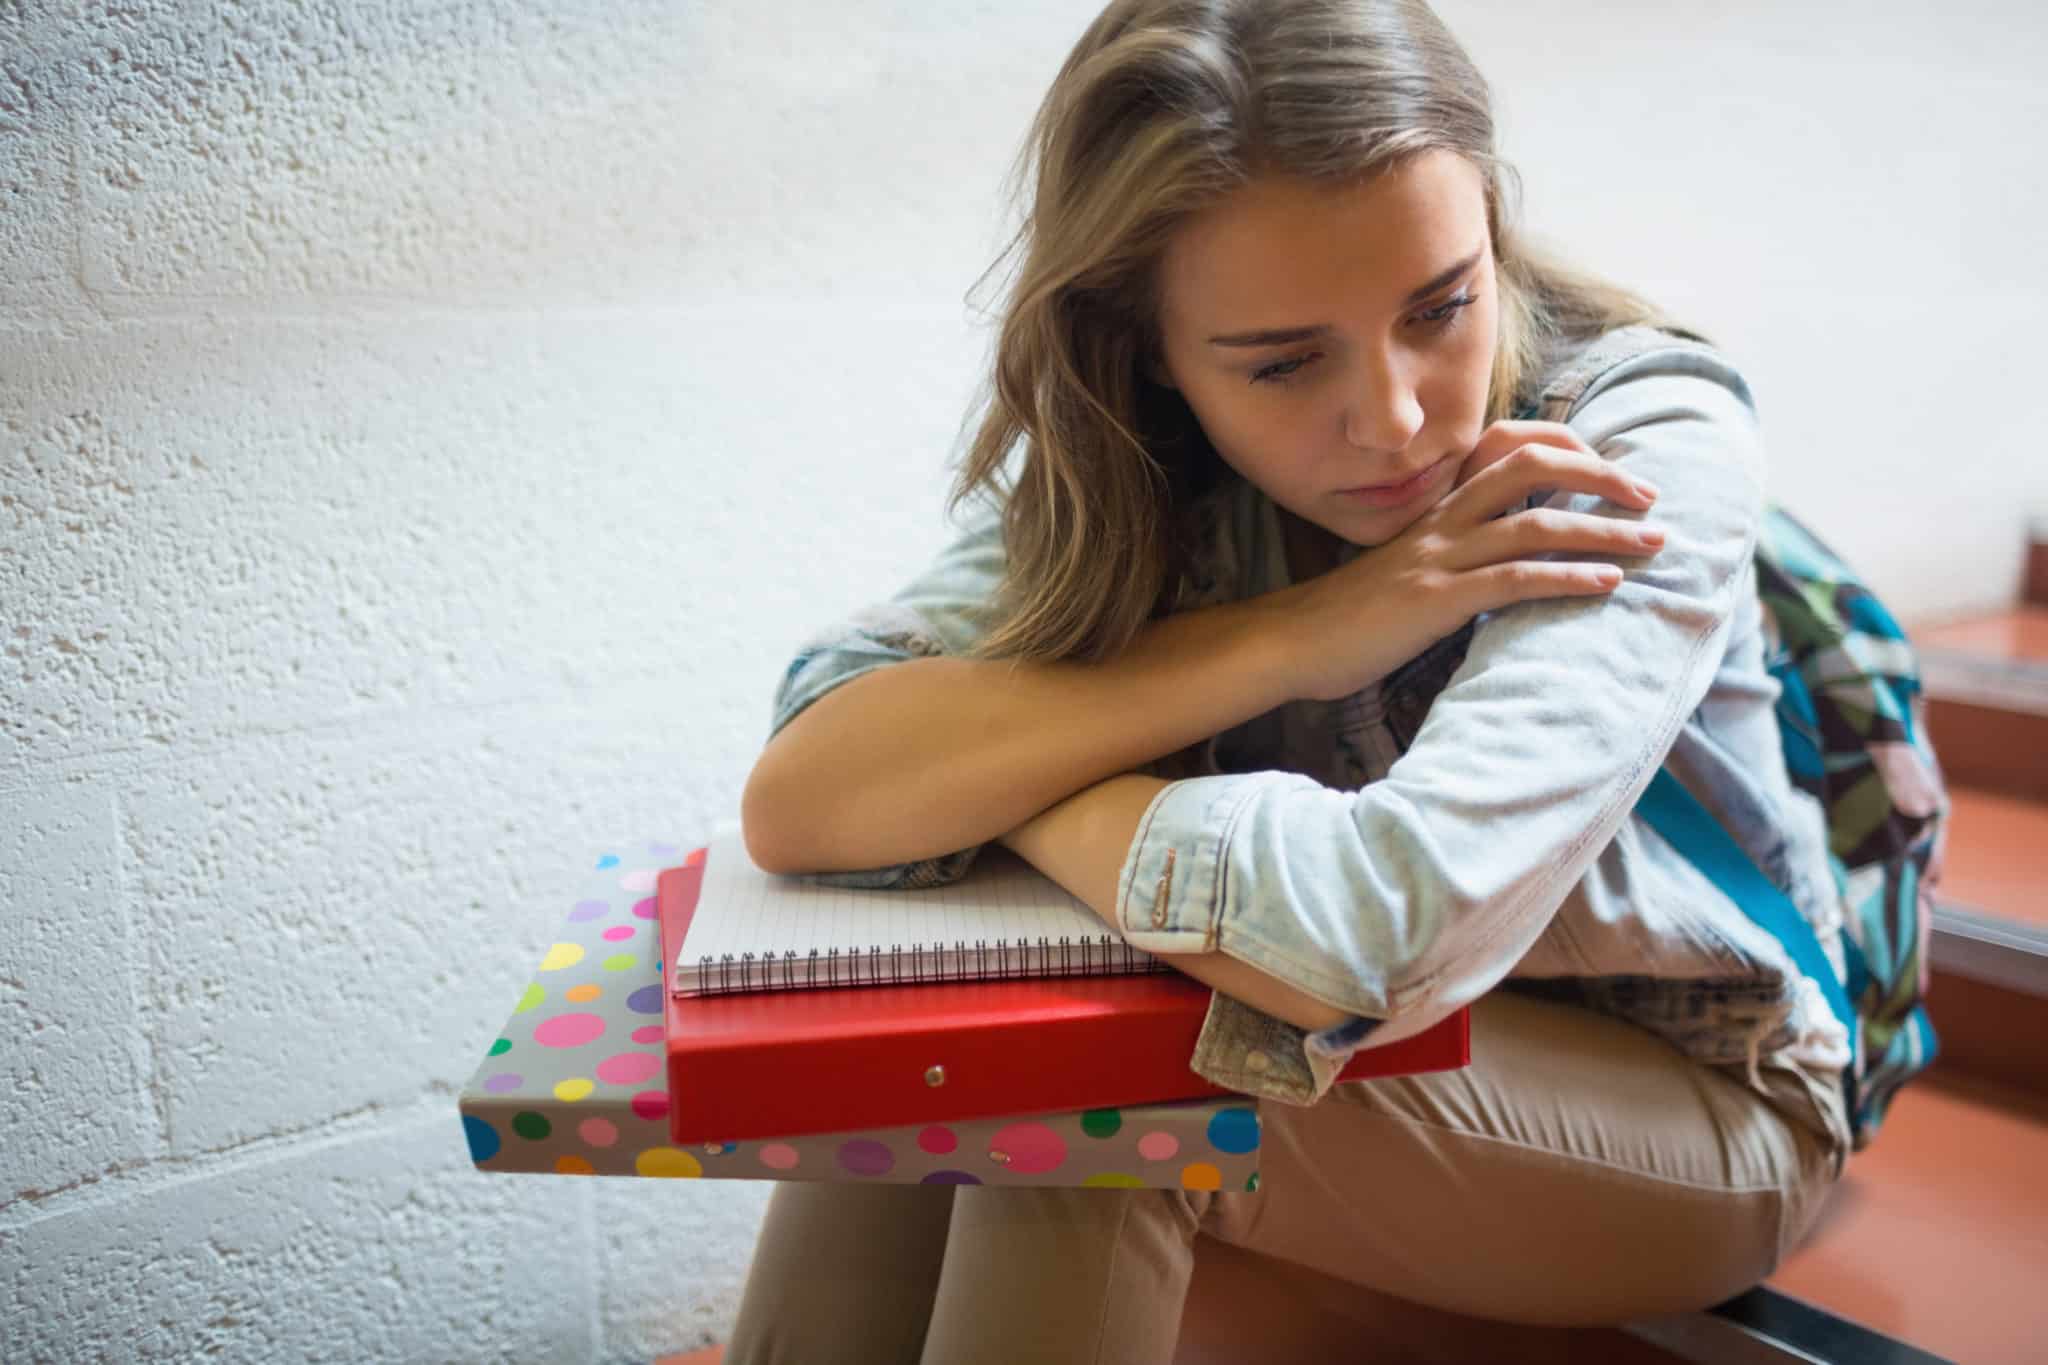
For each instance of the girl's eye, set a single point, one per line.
(1438, 320)
(1447, 312)
(1280, 370)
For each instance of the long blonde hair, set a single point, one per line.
(1162, 108)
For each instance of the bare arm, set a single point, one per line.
(924, 757)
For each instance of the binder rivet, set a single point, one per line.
(1000, 1158)
(935, 1075)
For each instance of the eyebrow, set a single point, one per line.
(1280, 336)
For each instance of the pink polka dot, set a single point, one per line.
(865, 1156)
(651, 1104)
(639, 879)
(598, 1132)
(644, 909)
(647, 1033)
(1158, 1146)
(937, 1139)
(696, 858)
(618, 933)
(779, 1156)
(569, 1030)
(628, 1068)
(1032, 1148)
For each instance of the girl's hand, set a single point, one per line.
(1350, 627)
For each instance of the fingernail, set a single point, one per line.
(1646, 490)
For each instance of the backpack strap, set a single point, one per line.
(1687, 826)
(1567, 379)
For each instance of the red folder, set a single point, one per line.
(790, 1063)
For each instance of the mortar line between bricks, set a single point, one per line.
(129, 1180)
(145, 1041)
(165, 757)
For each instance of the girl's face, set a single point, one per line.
(1334, 338)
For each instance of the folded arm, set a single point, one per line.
(1082, 843)
(891, 759)
(1412, 896)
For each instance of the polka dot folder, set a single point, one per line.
(574, 1084)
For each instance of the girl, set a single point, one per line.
(1320, 642)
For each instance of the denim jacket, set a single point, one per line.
(1467, 821)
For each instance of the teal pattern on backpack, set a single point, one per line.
(1852, 717)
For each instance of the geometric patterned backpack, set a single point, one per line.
(1854, 722)
(1852, 719)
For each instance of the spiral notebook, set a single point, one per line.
(1003, 920)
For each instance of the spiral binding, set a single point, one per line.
(1102, 955)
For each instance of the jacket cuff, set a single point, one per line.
(1244, 1049)
(1170, 891)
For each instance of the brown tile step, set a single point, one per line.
(1938, 1233)
(1988, 740)
(2015, 636)
(1996, 859)
(1986, 678)
(1991, 1022)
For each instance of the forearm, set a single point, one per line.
(920, 758)
(1082, 842)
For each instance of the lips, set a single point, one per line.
(1408, 486)
(1403, 486)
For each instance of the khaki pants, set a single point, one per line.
(1580, 1171)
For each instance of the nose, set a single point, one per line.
(1383, 413)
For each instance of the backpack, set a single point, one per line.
(1852, 718)
(1853, 724)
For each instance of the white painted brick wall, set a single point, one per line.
(428, 428)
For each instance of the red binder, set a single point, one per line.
(836, 1059)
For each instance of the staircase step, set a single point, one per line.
(1989, 1032)
(1986, 678)
(1938, 1233)
(2015, 636)
(1996, 859)
(1765, 1327)
(1990, 742)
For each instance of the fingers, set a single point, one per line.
(1522, 580)
(1504, 438)
(1544, 530)
(1515, 459)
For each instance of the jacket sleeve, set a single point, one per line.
(1414, 895)
(943, 610)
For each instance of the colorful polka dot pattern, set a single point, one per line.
(573, 1085)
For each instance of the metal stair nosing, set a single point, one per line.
(1765, 1327)
(1990, 948)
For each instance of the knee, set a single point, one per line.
(1177, 1210)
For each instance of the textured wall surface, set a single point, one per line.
(428, 428)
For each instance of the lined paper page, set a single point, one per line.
(1003, 918)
